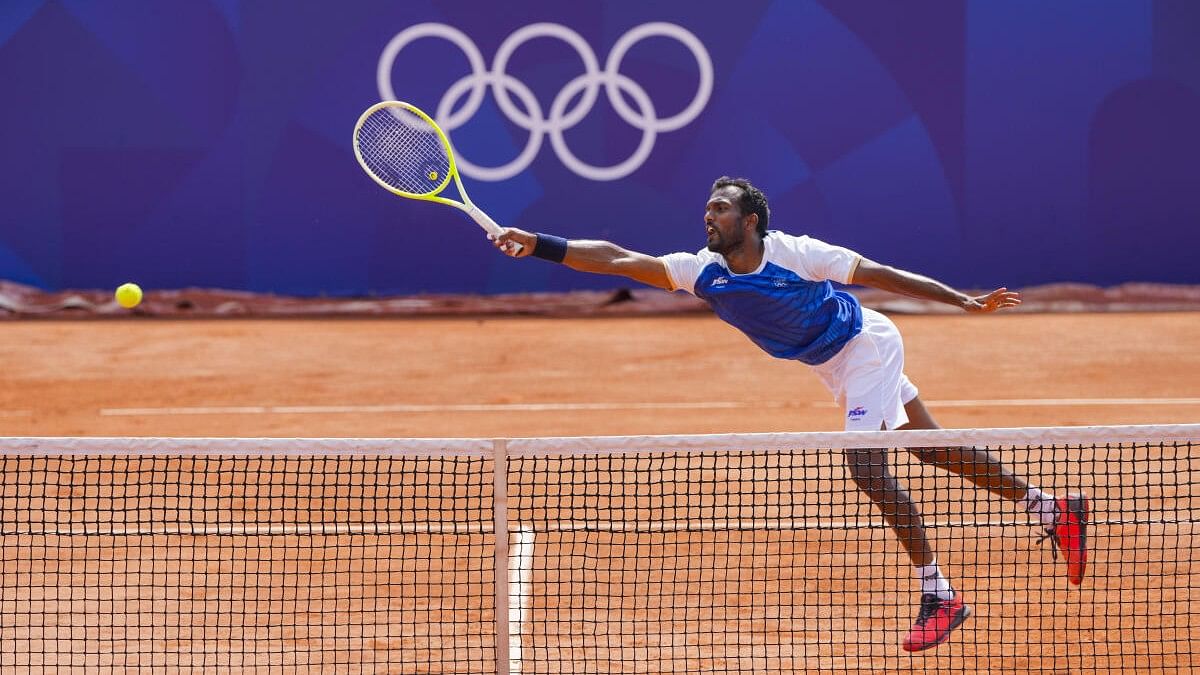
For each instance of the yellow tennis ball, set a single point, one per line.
(128, 295)
(433, 175)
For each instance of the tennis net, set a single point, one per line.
(749, 553)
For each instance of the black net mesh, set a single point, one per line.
(656, 561)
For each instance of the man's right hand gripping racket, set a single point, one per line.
(406, 152)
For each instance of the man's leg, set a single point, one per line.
(1065, 518)
(870, 472)
(977, 466)
(942, 610)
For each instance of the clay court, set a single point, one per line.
(496, 377)
(512, 377)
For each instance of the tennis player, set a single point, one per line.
(776, 288)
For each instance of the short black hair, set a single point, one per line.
(752, 200)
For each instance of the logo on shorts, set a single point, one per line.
(856, 412)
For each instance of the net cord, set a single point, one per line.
(841, 440)
(577, 445)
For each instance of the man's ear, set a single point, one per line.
(752, 221)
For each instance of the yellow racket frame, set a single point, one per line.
(466, 205)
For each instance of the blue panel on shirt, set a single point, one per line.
(789, 317)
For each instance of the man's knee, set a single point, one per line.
(869, 471)
(926, 455)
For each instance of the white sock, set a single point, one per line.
(932, 581)
(1040, 504)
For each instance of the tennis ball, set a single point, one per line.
(128, 295)
(433, 175)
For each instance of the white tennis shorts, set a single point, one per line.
(867, 376)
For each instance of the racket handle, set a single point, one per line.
(488, 224)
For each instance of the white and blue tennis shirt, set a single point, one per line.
(787, 306)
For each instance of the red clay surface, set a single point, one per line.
(785, 593)
(76, 378)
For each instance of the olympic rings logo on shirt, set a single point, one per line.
(560, 119)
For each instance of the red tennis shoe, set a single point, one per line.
(935, 621)
(1069, 534)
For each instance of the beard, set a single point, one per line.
(721, 244)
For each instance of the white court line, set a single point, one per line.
(566, 407)
(412, 408)
(1049, 402)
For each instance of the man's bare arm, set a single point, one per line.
(599, 257)
(871, 273)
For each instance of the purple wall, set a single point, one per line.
(207, 143)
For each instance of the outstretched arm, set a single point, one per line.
(585, 255)
(871, 273)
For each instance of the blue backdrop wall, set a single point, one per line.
(207, 142)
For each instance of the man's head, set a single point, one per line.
(735, 209)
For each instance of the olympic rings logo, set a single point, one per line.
(474, 86)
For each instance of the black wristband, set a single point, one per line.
(550, 247)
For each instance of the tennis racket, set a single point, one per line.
(405, 151)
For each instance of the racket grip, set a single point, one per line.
(488, 224)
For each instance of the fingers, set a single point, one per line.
(505, 246)
(513, 243)
(1001, 298)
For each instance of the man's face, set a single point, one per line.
(723, 220)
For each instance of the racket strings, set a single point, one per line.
(407, 154)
